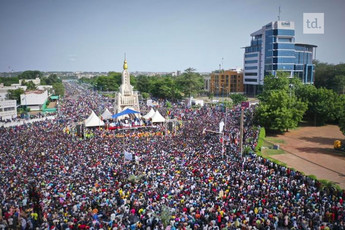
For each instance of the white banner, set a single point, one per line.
(221, 126)
(128, 156)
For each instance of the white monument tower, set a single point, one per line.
(126, 97)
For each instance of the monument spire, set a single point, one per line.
(126, 97)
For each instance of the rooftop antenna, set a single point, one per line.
(279, 13)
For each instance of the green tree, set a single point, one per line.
(190, 82)
(117, 77)
(271, 82)
(50, 80)
(145, 95)
(339, 85)
(143, 83)
(342, 115)
(210, 96)
(133, 81)
(29, 84)
(9, 80)
(330, 76)
(106, 83)
(227, 104)
(324, 105)
(87, 80)
(168, 104)
(59, 89)
(30, 74)
(279, 108)
(169, 89)
(15, 94)
(238, 98)
(280, 111)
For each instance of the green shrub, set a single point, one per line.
(132, 178)
(312, 177)
(165, 215)
(261, 138)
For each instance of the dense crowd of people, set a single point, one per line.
(184, 180)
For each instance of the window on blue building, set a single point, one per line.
(284, 32)
(250, 61)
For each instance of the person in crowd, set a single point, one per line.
(50, 179)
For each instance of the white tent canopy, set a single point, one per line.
(106, 115)
(157, 117)
(93, 121)
(149, 114)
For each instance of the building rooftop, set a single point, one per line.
(35, 92)
(305, 44)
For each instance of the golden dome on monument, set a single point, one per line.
(125, 66)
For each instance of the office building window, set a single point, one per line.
(9, 109)
(250, 67)
(286, 53)
(289, 46)
(284, 39)
(250, 61)
(284, 32)
(250, 74)
(251, 80)
(251, 55)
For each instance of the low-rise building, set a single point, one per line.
(36, 81)
(49, 88)
(4, 89)
(226, 82)
(207, 79)
(3, 95)
(34, 99)
(8, 109)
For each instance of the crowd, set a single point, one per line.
(52, 180)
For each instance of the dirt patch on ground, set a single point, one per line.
(52, 104)
(310, 150)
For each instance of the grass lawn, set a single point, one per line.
(268, 147)
(270, 152)
(275, 140)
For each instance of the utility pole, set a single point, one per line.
(241, 133)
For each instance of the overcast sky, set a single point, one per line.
(157, 35)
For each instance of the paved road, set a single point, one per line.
(21, 122)
(310, 150)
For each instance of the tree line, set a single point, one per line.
(169, 87)
(330, 76)
(285, 102)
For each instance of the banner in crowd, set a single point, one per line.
(128, 156)
(221, 126)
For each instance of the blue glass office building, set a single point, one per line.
(272, 49)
